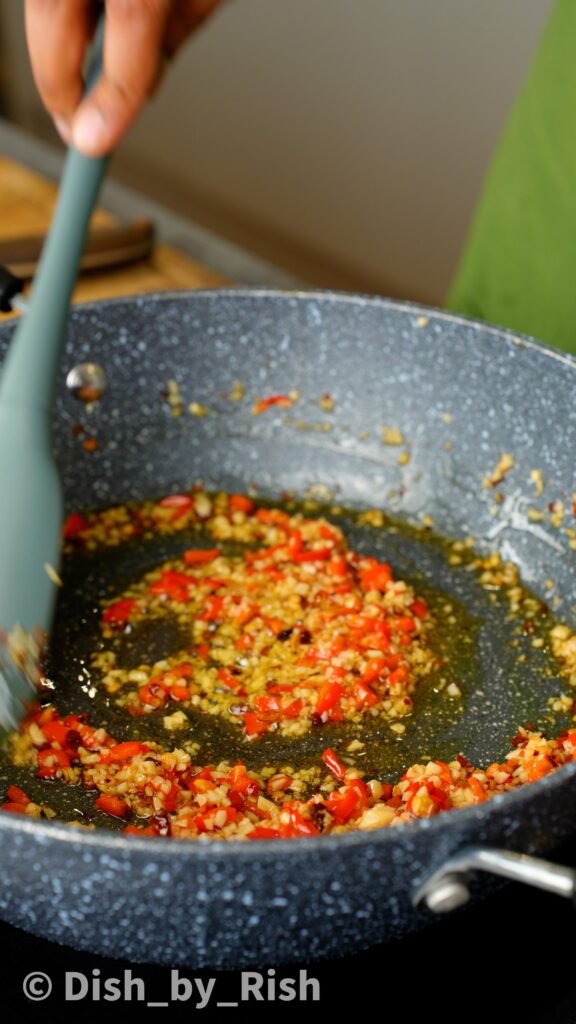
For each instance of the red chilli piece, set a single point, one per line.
(405, 624)
(51, 761)
(260, 832)
(181, 505)
(200, 555)
(299, 825)
(113, 805)
(284, 401)
(153, 694)
(17, 796)
(314, 555)
(213, 607)
(293, 709)
(329, 697)
(398, 676)
(172, 584)
(364, 694)
(183, 501)
(419, 608)
(230, 681)
(267, 704)
(56, 731)
(343, 805)
(334, 764)
(73, 526)
(373, 670)
(118, 613)
(375, 575)
(14, 807)
(123, 752)
(240, 503)
(253, 724)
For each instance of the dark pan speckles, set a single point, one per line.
(441, 380)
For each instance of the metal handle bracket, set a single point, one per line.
(448, 888)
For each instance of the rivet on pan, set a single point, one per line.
(449, 893)
(87, 382)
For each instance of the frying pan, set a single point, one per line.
(461, 393)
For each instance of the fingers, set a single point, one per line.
(186, 16)
(58, 32)
(132, 63)
(139, 36)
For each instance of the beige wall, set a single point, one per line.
(358, 130)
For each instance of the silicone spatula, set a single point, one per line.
(30, 490)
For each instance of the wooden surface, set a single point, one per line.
(26, 204)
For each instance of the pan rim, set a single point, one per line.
(506, 334)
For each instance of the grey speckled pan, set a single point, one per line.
(439, 379)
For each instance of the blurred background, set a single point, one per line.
(344, 140)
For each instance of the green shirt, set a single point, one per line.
(519, 263)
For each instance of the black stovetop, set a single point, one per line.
(510, 958)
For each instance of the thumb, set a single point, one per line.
(132, 63)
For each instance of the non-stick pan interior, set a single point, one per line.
(460, 394)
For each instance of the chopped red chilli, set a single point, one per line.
(284, 629)
(159, 792)
(302, 628)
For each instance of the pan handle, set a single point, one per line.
(10, 287)
(448, 888)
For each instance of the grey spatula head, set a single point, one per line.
(30, 523)
(20, 655)
(30, 492)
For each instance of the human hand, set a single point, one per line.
(140, 37)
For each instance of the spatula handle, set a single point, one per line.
(30, 369)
